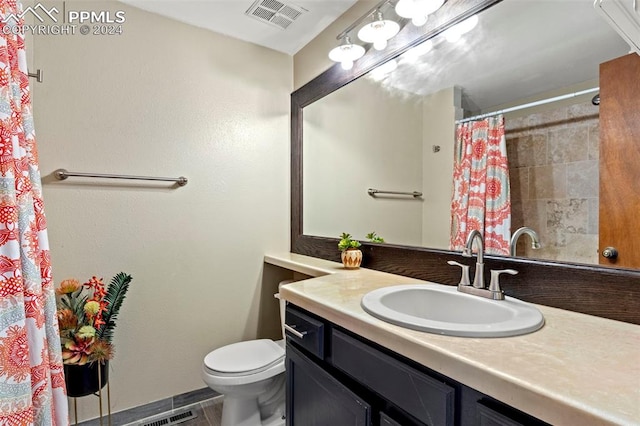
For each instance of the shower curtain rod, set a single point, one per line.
(529, 105)
(62, 174)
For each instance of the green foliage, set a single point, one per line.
(347, 242)
(75, 302)
(374, 238)
(115, 295)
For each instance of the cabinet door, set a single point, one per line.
(426, 398)
(314, 398)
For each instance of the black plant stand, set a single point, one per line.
(81, 386)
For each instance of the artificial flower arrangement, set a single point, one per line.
(87, 316)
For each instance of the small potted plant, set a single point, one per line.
(374, 238)
(351, 254)
(87, 315)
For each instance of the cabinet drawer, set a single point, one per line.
(423, 397)
(494, 414)
(305, 331)
(387, 421)
(489, 417)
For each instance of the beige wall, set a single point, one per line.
(363, 136)
(166, 99)
(440, 111)
(356, 138)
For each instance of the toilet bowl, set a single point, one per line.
(251, 376)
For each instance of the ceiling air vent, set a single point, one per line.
(275, 13)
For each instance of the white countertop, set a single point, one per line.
(577, 370)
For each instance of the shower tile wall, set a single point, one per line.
(553, 164)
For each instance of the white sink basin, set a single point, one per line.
(442, 309)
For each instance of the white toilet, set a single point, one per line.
(251, 377)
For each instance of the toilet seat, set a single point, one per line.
(245, 362)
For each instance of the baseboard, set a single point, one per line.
(140, 412)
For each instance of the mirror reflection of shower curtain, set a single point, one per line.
(481, 195)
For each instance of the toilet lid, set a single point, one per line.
(244, 356)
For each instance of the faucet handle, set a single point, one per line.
(494, 284)
(464, 279)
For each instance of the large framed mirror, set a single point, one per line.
(389, 124)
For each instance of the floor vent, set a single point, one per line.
(275, 13)
(171, 419)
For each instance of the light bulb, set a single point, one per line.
(346, 65)
(416, 52)
(383, 70)
(419, 20)
(380, 44)
(405, 8)
(427, 7)
(454, 33)
(468, 24)
(379, 29)
(346, 53)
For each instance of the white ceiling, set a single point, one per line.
(519, 49)
(228, 17)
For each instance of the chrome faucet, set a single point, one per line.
(478, 279)
(478, 288)
(535, 240)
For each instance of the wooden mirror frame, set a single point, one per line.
(603, 291)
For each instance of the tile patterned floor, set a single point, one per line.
(206, 404)
(208, 413)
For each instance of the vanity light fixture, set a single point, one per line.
(373, 28)
(346, 53)
(418, 10)
(379, 31)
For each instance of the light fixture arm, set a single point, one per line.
(359, 21)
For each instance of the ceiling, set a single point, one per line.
(229, 17)
(554, 43)
(519, 49)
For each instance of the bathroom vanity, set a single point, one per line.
(337, 378)
(577, 369)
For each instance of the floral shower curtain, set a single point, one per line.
(481, 198)
(32, 389)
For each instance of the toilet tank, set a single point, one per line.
(282, 304)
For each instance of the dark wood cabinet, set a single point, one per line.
(429, 400)
(315, 398)
(336, 378)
